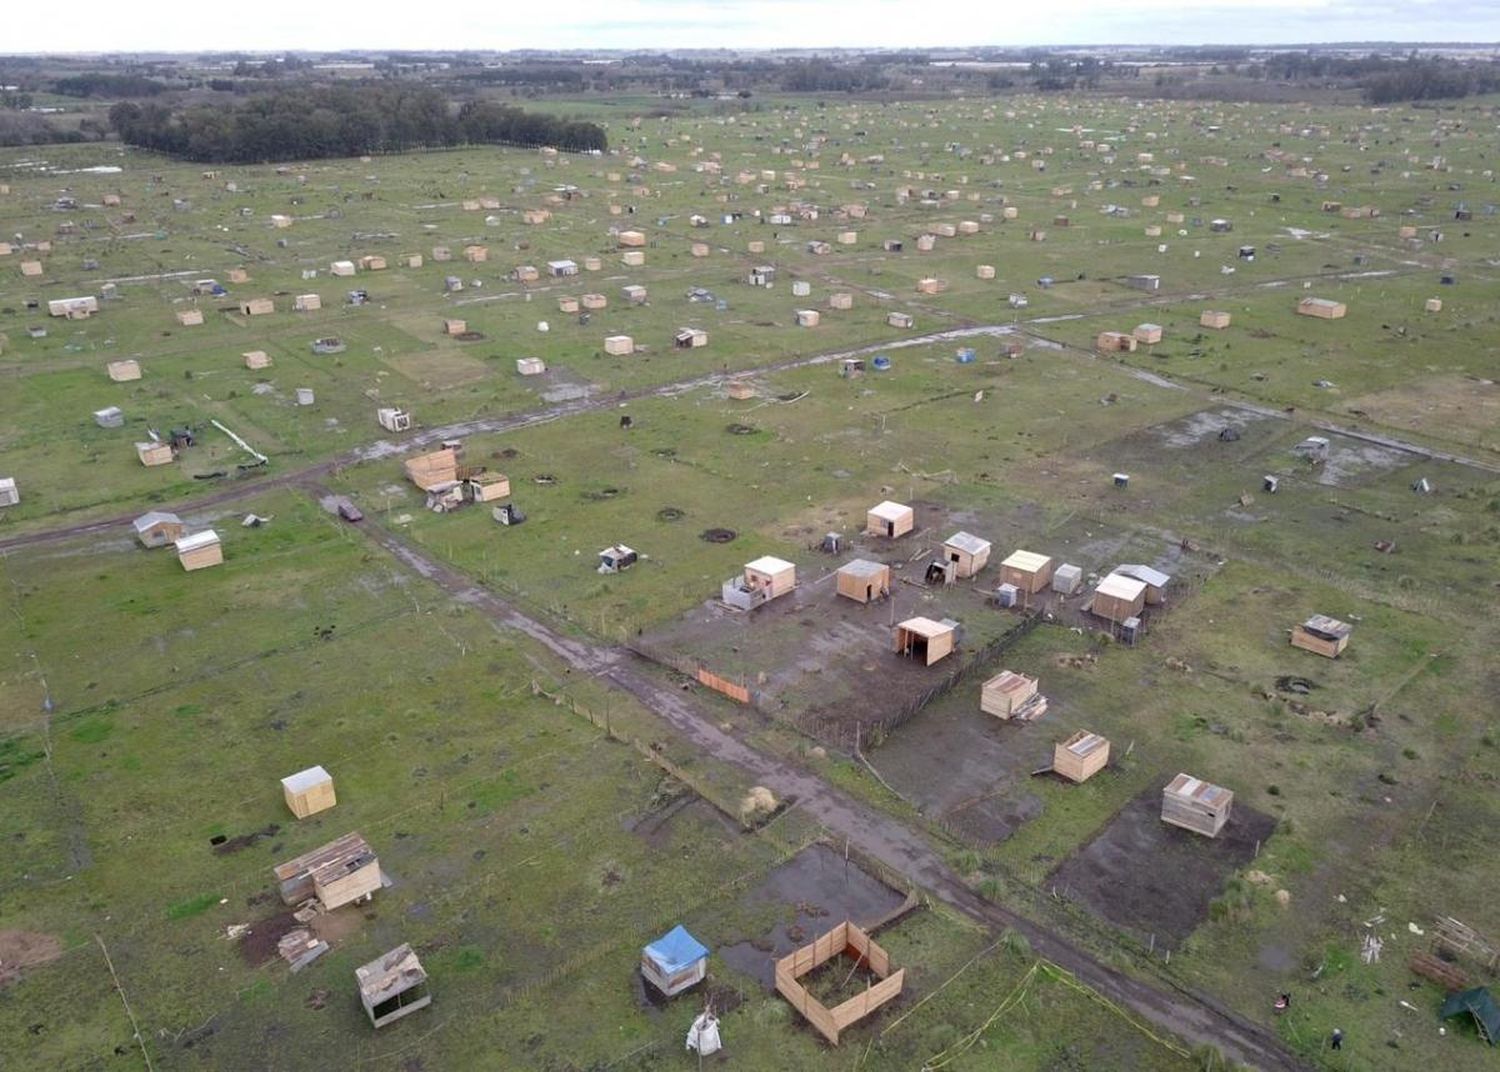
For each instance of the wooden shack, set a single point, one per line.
(1214, 318)
(690, 338)
(1081, 756)
(31, 269)
(256, 359)
(343, 269)
(808, 318)
(257, 307)
(530, 366)
(453, 326)
(984, 271)
(1155, 581)
(567, 304)
(1322, 635)
(631, 239)
(372, 262)
(476, 254)
(1027, 570)
(190, 318)
(635, 294)
(619, 345)
(1324, 308)
(157, 528)
(308, 791)
(486, 486)
(392, 985)
(307, 303)
(435, 468)
(841, 300)
(924, 639)
(594, 301)
(931, 286)
(899, 320)
(1433, 305)
(200, 550)
(1118, 597)
(846, 940)
(863, 581)
(344, 870)
(890, 519)
(759, 582)
(1147, 333)
(154, 453)
(1196, 805)
(1010, 695)
(1111, 342)
(967, 553)
(124, 371)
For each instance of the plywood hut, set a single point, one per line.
(434, 468)
(924, 639)
(1196, 805)
(1027, 570)
(690, 338)
(1214, 318)
(1010, 695)
(10, 495)
(761, 581)
(1111, 342)
(1119, 597)
(257, 307)
(1324, 308)
(890, 519)
(158, 528)
(1147, 333)
(619, 345)
(863, 581)
(124, 371)
(307, 303)
(967, 552)
(200, 550)
(1081, 756)
(846, 940)
(338, 873)
(1322, 635)
(308, 791)
(256, 359)
(1155, 581)
(154, 453)
(392, 985)
(674, 962)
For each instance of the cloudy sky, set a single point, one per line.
(97, 25)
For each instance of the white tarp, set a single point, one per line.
(703, 1036)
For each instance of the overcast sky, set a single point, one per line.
(96, 25)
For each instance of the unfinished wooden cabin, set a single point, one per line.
(1012, 695)
(864, 581)
(924, 639)
(436, 467)
(1081, 756)
(890, 519)
(1028, 571)
(1111, 342)
(844, 940)
(674, 962)
(155, 453)
(1118, 597)
(1322, 635)
(308, 791)
(392, 985)
(1196, 805)
(200, 550)
(158, 528)
(338, 873)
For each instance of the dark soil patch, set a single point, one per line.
(469, 336)
(1298, 685)
(317, 999)
(603, 494)
(224, 846)
(670, 513)
(718, 535)
(544, 479)
(665, 452)
(741, 429)
(258, 946)
(724, 999)
(508, 452)
(1148, 876)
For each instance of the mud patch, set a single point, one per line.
(1349, 459)
(225, 846)
(1195, 428)
(718, 535)
(20, 950)
(602, 494)
(546, 480)
(741, 429)
(258, 946)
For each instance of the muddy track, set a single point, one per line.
(1192, 1016)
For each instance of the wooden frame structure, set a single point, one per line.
(1010, 695)
(923, 638)
(1196, 805)
(1081, 756)
(344, 870)
(846, 939)
(392, 985)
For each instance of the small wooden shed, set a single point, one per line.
(1119, 597)
(10, 495)
(1027, 570)
(890, 519)
(1147, 333)
(256, 359)
(594, 301)
(530, 366)
(453, 326)
(1196, 805)
(1155, 581)
(438, 467)
(1324, 308)
(1011, 695)
(1110, 342)
(924, 639)
(476, 254)
(158, 528)
(808, 318)
(392, 985)
(899, 320)
(307, 303)
(342, 268)
(1214, 318)
(154, 453)
(862, 580)
(372, 262)
(690, 338)
(967, 552)
(674, 962)
(1322, 635)
(619, 345)
(848, 940)
(124, 371)
(308, 791)
(257, 306)
(775, 575)
(200, 550)
(635, 294)
(631, 239)
(190, 318)
(344, 870)
(1081, 756)
(841, 300)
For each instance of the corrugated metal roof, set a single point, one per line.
(1155, 578)
(154, 518)
(198, 540)
(968, 543)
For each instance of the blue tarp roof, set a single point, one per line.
(677, 949)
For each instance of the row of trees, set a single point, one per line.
(340, 121)
(109, 85)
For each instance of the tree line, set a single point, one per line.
(319, 122)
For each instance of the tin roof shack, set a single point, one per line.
(690, 338)
(924, 639)
(158, 528)
(110, 417)
(1118, 597)
(393, 419)
(392, 985)
(124, 371)
(335, 874)
(1325, 308)
(73, 308)
(561, 269)
(1196, 805)
(674, 962)
(1147, 333)
(10, 495)
(1027, 570)
(1010, 695)
(1115, 342)
(429, 470)
(1155, 581)
(846, 939)
(1081, 756)
(967, 552)
(200, 550)
(1214, 318)
(864, 581)
(890, 519)
(308, 791)
(617, 558)
(760, 582)
(154, 453)
(484, 486)
(1322, 635)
